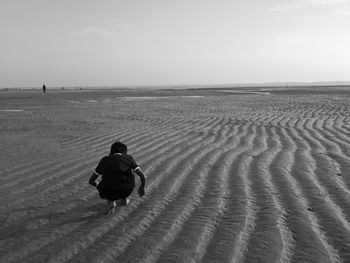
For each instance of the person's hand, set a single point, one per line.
(141, 192)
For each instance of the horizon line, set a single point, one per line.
(245, 84)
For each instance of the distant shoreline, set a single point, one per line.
(194, 87)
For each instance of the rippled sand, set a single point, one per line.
(251, 177)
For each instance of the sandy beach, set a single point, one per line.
(261, 175)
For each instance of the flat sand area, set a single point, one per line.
(253, 176)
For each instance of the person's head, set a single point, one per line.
(119, 147)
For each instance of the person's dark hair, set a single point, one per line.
(118, 147)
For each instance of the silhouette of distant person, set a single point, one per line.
(44, 88)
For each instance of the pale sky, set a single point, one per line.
(172, 42)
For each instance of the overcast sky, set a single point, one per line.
(160, 42)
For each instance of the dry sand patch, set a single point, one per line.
(239, 178)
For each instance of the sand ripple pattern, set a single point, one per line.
(233, 178)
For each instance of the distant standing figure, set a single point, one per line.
(44, 88)
(118, 180)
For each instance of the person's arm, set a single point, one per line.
(98, 172)
(93, 179)
(142, 176)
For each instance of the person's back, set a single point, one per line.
(117, 169)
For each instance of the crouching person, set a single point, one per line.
(118, 180)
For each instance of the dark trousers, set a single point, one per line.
(114, 193)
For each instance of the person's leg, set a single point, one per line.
(111, 203)
(111, 207)
(104, 194)
(101, 191)
(125, 201)
(120, 196)
(125, 193)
